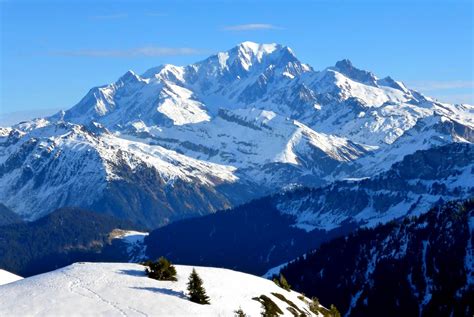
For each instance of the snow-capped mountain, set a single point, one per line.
(179, 141)
(123, 289)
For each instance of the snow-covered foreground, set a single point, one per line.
(122, 289)
(7, 277)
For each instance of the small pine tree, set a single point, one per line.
(314, 305)
(281, 282)
(333, 312)
(284, 283)
(197, 293)
(161, 270)
(276, 281)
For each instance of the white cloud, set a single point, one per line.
(134, 52)
(252, 27)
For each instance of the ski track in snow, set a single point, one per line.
(79, 283)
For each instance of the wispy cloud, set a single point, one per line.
(252, 27)
(109, 16)
(134, 52)
(442, 85)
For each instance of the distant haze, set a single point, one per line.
(11, 118)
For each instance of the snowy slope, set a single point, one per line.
(7, 277)
(119, 289)
(249, 139)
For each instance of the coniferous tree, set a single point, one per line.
(284, 283)
(314, 305)
(276, 281)
(161, 270)
(333, 312)
(196, 291)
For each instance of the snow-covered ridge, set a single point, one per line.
(122, 289)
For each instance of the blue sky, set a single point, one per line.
(53, 52)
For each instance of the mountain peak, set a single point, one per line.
(257, 48)
(129, 77)
(346, 68)
(251, 53)
(245, 56)
(344, 64)
(261, 49)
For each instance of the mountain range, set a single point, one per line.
(184, 141)
(275, 229)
